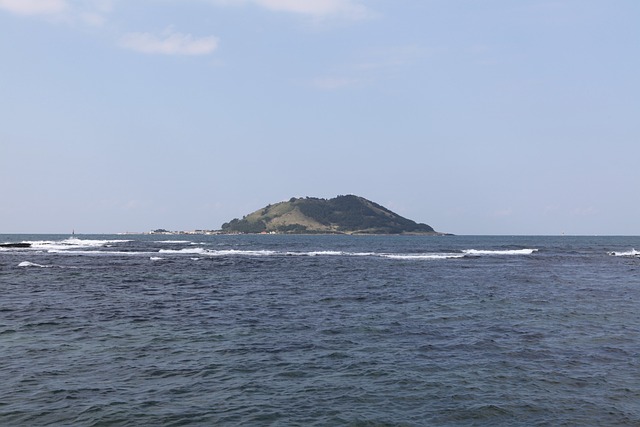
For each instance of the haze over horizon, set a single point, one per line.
(493, 117)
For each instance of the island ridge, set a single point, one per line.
(341, 215)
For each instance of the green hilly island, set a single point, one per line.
(341, 215)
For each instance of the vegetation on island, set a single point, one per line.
(341, 215)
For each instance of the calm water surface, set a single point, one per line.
(320, 330)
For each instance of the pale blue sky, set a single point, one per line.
(474, 116)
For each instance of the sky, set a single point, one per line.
(475, 117)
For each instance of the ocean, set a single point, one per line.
(276, 330)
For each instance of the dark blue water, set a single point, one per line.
(320, 330)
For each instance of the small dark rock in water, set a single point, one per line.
(15, 245)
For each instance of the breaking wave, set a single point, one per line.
(33, 264)
(631, 253)
(477, 252)
(329, 253)
(156, 250)
(332, 253)
(423, 256)
(183, 251)
(72, 243)
(232, 252)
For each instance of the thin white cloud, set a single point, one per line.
(89, 12)
(319, 8)
(34, 7)
(95, 12)
(351, 9)
(169, 43)
(372, 66)
(93, 19)
(335, 83)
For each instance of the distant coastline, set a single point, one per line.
(346, 215)
(163, 231)
(237, 233)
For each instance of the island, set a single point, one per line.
(341, 215)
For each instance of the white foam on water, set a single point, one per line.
(319, 253)
(183, 251)
(330, 253)
(77, 246)
(156, 258)
(96, 253)
(33, 264)
(237, 252)
(478, 252)
(72, 243)
(227, 252)
(425, 256)
(47, 244)
(87, 243)
(631, 253)
(359, 253)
